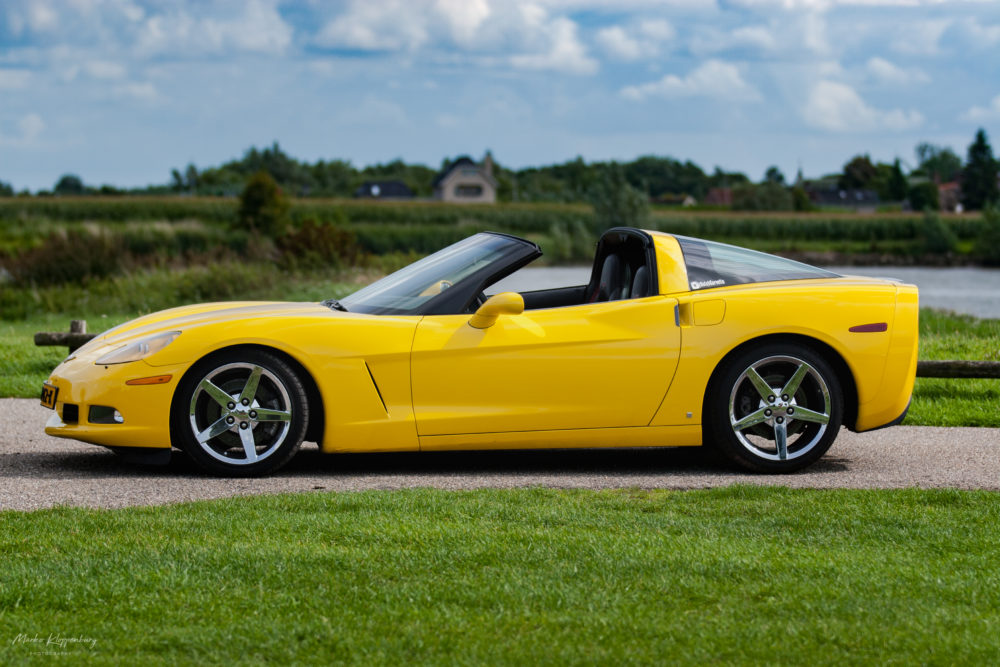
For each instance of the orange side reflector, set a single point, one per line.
(875, 327)
(156, 379)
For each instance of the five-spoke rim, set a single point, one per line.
(779, 408)
(240, 413)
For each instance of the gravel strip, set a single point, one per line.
(39, 471)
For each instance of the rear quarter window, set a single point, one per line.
(710, 264)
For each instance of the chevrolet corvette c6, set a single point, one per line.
(674, 341)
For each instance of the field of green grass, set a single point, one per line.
(533, 576)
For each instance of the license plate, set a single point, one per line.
(49, 394)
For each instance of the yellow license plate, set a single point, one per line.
(49, 394)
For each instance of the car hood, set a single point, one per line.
(187, 317)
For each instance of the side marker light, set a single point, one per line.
(156, 379)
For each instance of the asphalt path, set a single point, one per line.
(38, 471)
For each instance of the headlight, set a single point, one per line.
(138, 349)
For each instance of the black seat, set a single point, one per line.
(611, 285)
(640, 283)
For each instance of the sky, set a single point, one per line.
(122, 91)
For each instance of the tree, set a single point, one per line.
(191, 178)
(938, 163)
(935, 236)
(924, 196)
(615, 202)
(763, 197)
(979, 178)
(176, 180)
(987, 246)
(263, 206)
(858, 174)
(800, 199)
(774, 175)
(897, 186)
(6, 190)
(69, 184)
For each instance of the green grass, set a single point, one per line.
(956, 402)
(535, 576)
(23, 365)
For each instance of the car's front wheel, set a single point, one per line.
(776, 408)
(240, 413)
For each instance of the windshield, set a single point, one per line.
(407, 290)
(711, 264)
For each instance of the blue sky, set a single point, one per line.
(121, 91)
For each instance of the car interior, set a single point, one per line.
(624, 268)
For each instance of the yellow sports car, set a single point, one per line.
(674, 341)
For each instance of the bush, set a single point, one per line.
(923, 196)
(764, 197)
(935, 236)
(72, 256)
(987, 246)
(263, 206)
(318, 245)
(571, 243)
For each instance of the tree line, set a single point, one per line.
(659, 179)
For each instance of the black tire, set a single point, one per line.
(745, 418)
(233, 427)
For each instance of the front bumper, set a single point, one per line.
(145, 409)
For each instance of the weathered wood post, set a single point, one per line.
(76, 338)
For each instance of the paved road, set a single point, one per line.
(38, 471)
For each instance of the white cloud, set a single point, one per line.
(920, 38)
(837, 107)
(758, 36)
(376, 26)
(103, 69)
(41, 17)
(259, 28)
(713, 78)
(978, 114)
(12, 79)
(968, 33)
(657, 29)
(464, 17)
(29, 127)
(619, 44)
(883, 71)
(143, 91)
(565, 53)
(643, 40)
(814, 33)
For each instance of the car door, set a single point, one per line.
(586, 366)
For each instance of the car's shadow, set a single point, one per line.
(310, 462)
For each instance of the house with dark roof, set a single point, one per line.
(383, 190)
(467, 182)
(827, 193)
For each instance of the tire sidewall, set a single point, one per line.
(183, 438)
(718, 431)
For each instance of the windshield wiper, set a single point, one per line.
(336, 305)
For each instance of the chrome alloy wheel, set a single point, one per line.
(779, 408)
(240, 413)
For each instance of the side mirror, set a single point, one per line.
(508, 303)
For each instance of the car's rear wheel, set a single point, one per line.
(240, 413)
(776, 408)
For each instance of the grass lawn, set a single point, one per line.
(533, 576)
(956, 402)
(936, 402)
